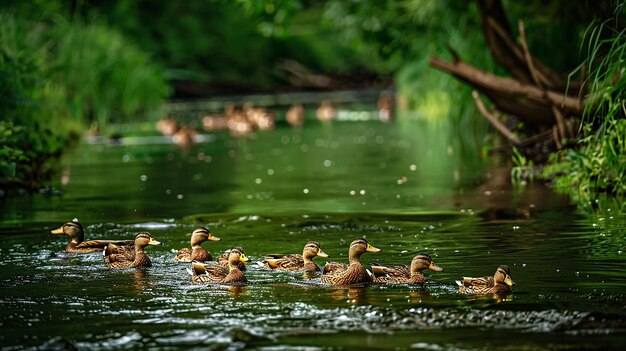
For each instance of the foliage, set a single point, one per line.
(523, 168)
(55, 77)
(106, 79)
(599, 165)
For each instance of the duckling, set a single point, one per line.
(223, 259)
(219, 274)
(295, 115)
(121, 259)
(197, 252)
(385, 107)
(184, 137)
(499, 284)
(214, 122)
(404, 274)
(326, 111)
(167, 126)
(239, 125)
(296, 262)
(78, 244)
(353, 273)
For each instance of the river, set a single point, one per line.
(402, 185)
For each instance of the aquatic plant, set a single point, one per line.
(598, 164)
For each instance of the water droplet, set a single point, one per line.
(413, 168)
(126, 158)
(352, 192)
(327, 163)
(516, 227)
(143, 177)
(304, 148)
(258, 181)
(306, 191)
(270, 172)
(362, 192)
(179, 196)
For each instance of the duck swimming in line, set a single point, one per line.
(75, 231)
(197, 252)
(404, 274)
(353, 273)
(499, 284)
(296, 262)
(122, 259)
(217, 273)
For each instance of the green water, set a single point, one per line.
(402, 185)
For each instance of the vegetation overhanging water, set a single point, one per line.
(401, 185)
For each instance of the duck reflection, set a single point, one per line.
(354, 295)
(140, 280)
(415, 297)
(236, 291)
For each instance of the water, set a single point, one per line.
(401, 185)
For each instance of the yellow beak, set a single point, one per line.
(213, 238)
(508, 281)
(57, 231)
(243, 258)
(321, 253)
(371, 248)
(154, 242)
(434, 267)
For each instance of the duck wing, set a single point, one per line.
(101, 243)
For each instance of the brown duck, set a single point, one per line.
(117, 258)
(354, 273)
(219, 274)
(499, 284)
(296, 262)
(78, 244)
(223, 259)
(404, 274)
(197, 252)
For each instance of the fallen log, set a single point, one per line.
(486, 81)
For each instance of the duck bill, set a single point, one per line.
(321, 253)
(371, 248)
(243, 258)
(434, 267)
(508, 281)
(57, 231)
(213, 238)
(154, 242)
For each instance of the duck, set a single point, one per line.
(353, 273)
(404, 274)
(197, 252)
(296, 262)
(499, 284)
(167, 126)
(219, 274)
(223, 259)
(295, 115)
(117, 258)
(325, 112)
(78, 245)
(184, 136)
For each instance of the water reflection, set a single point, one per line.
(352, 295)
(569, 269)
